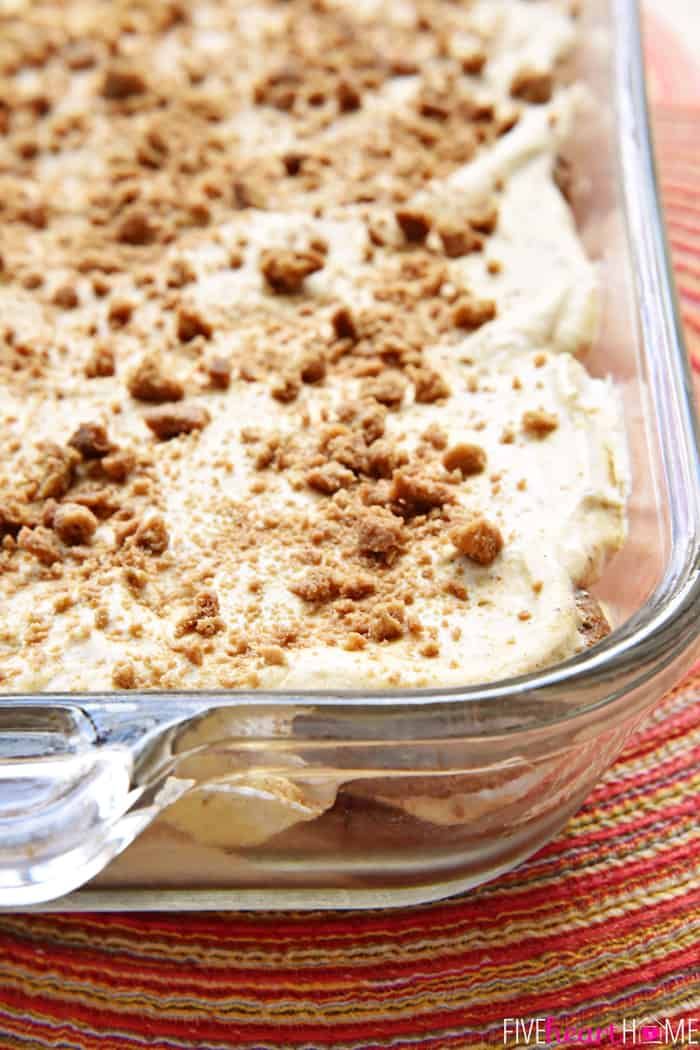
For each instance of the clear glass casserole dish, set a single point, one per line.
(396, 798)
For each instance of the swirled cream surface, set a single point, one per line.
(293, 329)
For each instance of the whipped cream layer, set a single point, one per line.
(262, 574)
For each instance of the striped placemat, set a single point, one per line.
(594, 941)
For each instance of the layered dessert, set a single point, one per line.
(292, 316)
(293, 325)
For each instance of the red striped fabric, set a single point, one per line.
(600, 930)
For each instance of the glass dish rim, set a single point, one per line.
(659, 633)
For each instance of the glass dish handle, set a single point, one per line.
(71, 798)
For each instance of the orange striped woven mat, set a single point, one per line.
(594, 940)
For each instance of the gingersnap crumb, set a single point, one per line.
(120, 312)
(205, 620)
(539, 423)
(416, 494)
(387, 622)
(472, 313)
(121, 81)
(118, 465)
(66, 297)
(59, 467)
(285, 270)
(137, 228)
(532, 85)
(354, 642)
(150, 382)
(474, 61)
(181, 272)
(152, 535)
(380, 533)
(593, 623)
(430, 386)
(191, 323)
(286, 387)
(329, 478)
(388, 389)
(466, 458)
(317, 587)
(169, 421)
(74, 524)
(41, 543)
(435, 436)
(124, 675)
(457, 589)
(484, 219)
(313, 366)
(459, 240)
(344, 324)
(91, 440)
(218, 370)
(415, 224)
(479, 540)
(348, 95)
(273, 655)
(13, 516)
(100, 363)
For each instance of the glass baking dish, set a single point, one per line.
(396, 797)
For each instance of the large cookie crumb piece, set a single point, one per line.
(387, 622)
(344, 324)
(191, 323)
(380, 533)
(480, 541)
(100, 363)
(41, 543)
(66, 297)
(472, 313)
(459, 240)
(118, 465)
(285, 271)
(418, 493)
(58, 473)
(124, 675)
(317, 587)
(172, 420)
(150, 382)
(430, 386)
(74, 524)
(137, 228)
(532, 85)
(205, 620)
(415, 224)
(121, 81)
(330, 478)
(91, 441)
(539, 423)
(152, 535)
(466, 458)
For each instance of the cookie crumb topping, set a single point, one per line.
(285, 270)
(261, 312)
(479, 540)
(539, 423)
